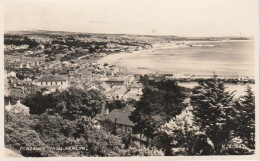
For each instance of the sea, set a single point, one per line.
(221, 57)
(226, 57)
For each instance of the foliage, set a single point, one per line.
(53, 131)
(38, 103)
(145, 80)
(213, 111)
(17, 40)
(60, 132)
(184, 135)
(157, 105)
(211, 124)
(53, 126)
(246, 118)
(11, 98)
(236, 147)
(75, 102)
(180, 130)
(70, 103)
(115, 104)
(140, 150)
(81, 133)
(172, 97)
(100, 143)
(19, 135)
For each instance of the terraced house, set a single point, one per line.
(50, 83)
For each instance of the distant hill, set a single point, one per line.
(150, 38)
(239, 38)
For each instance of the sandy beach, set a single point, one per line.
(225, 57)
(114, 59)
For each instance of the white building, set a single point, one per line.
(137, 89)
(11, 74)
(52, 82)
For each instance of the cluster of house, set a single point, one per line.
(24, 50)
(118, 118)
(115, 88)
(15, 47)
(20, 62)
(110, 80)
(44, 72)
(114, 47)
(16, 87)
(31, 64)
(115, 83)
(108, 44)
(120, 88)
(26, 65)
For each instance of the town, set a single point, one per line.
(29, 62)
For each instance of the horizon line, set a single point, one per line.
(35, 30)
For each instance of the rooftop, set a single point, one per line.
(51, 78)
(115, 79)
(122, 116)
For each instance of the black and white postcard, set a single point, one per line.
(130, 79)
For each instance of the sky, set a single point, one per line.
(150, 17)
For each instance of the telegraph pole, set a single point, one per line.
(115, 125)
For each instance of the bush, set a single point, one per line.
(140, 150)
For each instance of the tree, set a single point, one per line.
(246, 118)
(236, 147)
(74, 102)
(11, 98)
(115, 104)
(213, 111)
(48, 131)
(56, 131)
(172, 98)
(70, 103)
(148, 107)
(53, 125)
(140, 150)
(101, 143)
(156, 107)
(19, 135)
(183, 135)
(145, 80)
(38, 103)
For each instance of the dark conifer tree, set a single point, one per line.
(246, 118)
(157, 105)
(213, 111)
